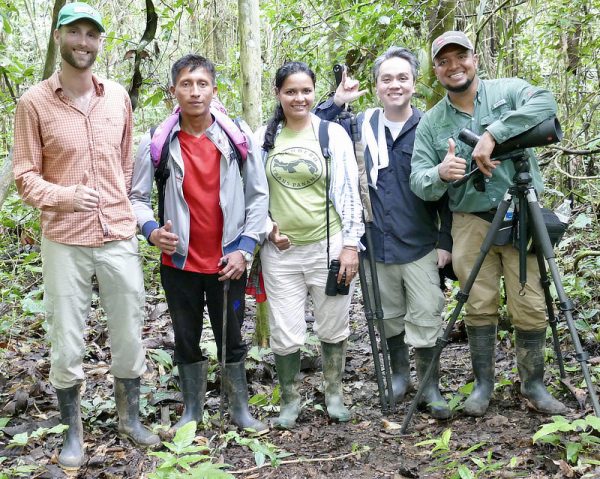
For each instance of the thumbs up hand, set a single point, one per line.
(163, 239)
(453, 167)
(281, 241)
(85, 199)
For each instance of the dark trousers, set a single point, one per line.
(187, 293)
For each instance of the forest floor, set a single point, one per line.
(498, 445)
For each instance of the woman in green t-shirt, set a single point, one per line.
(315, 215)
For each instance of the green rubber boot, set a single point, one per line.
(432, 399)
(482, 345)
(334, 360)
(236, 387)
(127, 399)
(288, 368)
(400, 363)
(71, 455)
(530, 363)
(192, 381)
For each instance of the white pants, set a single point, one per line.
(68, 272)
(289, 275)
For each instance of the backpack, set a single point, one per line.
(159, 147)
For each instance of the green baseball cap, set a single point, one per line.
(72, 12)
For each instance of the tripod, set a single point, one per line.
(528, 207)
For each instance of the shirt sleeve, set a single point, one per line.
(425, 181)
(531, 106)
(127, 160)
(28, 165)
(141, 188)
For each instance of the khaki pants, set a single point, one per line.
(411, 299)
(528, 311)
(68, 272)
(289, 275)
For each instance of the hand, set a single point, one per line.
(163, 239)
(453, 167)
(347, 91)
(282, 242)
(235, 266)
(348, 264)
(444, 258)
(85, 199)
(482, 151)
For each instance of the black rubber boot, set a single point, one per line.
(236, 388)
(288, 368)
(334, 360)
(482, 345)
(530, 362)
(431, 399)
(127, 399)
(71, 456)
(192, 381)
(400, 363)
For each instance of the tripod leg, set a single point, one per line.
(566, 305)
(379, 316)
(552, 320)
(383, 400)
(461, 297)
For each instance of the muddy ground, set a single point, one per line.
(370, 446)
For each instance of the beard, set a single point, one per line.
(81, 64)
(460, 88)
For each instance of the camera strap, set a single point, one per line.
(324, 142)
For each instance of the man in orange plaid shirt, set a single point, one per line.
(73, 160)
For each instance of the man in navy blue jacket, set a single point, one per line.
(411, 237)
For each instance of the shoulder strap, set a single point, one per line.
(161, 175)
(324, 143)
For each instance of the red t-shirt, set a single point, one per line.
(201, 187)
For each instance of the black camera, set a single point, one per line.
(332, 287)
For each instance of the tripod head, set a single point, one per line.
(545, 133)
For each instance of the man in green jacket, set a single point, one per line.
(497, 110)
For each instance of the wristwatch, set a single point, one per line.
(247, 256)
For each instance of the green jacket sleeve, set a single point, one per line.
(531, 105)
(425, 181)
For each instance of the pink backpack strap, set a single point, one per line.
(161, 135)
(233, 131)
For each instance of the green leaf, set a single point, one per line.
(582, 221)
(185, 435)
(259, 458)
(572, 450)
(161, 357)
(464, 472)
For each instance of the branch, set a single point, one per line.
(147, 37)
(569, 175)
(304, 461)
(489, 17)
(9, 86)
(568, 151)
(583, 255)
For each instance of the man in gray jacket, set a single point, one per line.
(215, 208)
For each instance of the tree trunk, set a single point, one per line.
(50, 62)
(441, 19)
(250, 61)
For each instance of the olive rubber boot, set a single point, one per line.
(236, 387)
(431, 399)
(482, 345)
(127, 399)
(288, 368)
(530, 363)
(192, 381)
(334, 360)
(400, 364)
(71, 456)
